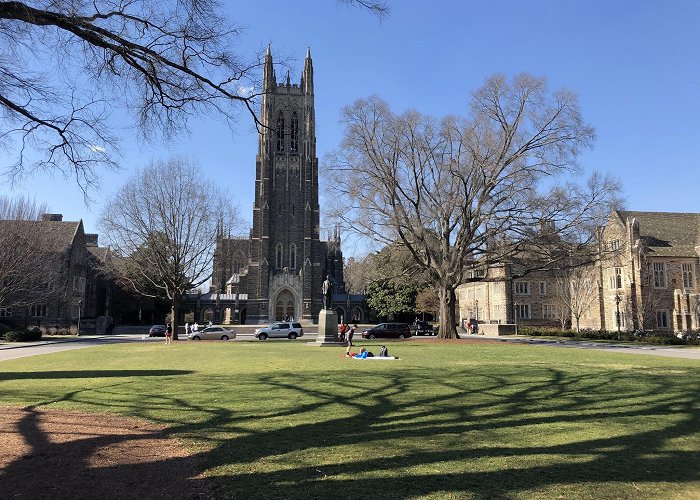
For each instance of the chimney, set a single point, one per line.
(52, 217)
(91, 239)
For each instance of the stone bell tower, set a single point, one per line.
(287, 259)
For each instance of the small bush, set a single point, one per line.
(32, 335)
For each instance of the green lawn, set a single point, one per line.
(285, 420)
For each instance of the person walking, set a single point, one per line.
(168, 334)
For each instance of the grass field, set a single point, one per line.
(458, 420)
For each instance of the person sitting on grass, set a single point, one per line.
(364, 354)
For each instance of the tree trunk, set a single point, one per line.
(448, 299)
(174, 311)
(578, 326)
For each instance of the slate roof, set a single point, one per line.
(57, 236)
(667, 234)
(100, 253)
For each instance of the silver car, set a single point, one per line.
(280, 330)
(212, 333)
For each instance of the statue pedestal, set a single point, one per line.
(327, 330)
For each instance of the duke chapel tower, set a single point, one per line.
(279, 270)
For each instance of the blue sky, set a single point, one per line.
(635, 66)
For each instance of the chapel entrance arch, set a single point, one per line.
(284, 306)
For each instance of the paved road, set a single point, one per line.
(20, 350)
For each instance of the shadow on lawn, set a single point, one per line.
(463, 410)
(495, 403)
(58, 374)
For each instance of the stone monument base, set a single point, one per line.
(327, 330)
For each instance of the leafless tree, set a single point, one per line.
(164, 222)
(463, 189)
(65, 64)
(575, 289)
(30, 267)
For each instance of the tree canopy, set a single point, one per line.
(164, 224)
(478, 188)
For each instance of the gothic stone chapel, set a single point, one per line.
(278, 272)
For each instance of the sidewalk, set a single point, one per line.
(675, 351)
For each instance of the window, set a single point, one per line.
(78, 284)
(548, 311)
(39, 310)
(292, 256)
(614, 245)
(522, 311)
(279, 256)
(688, 281)
(616, 278)
(280, 132)
(496, 311)
(662, 320)
(659, 275)
(294, 143)
(543, 288)
(5, 312)
(522, 287)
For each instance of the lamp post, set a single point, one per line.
(80, 303)
(618, 299)
(476, 316)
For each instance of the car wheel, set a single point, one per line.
(292, 336)
(372, 336)
(224, 337)
(401, 336)
(196, 337)
(262, 336)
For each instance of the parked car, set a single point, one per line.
(157, 331)
(422, 328)
(388, 330)
(212, 333)
(280, 330)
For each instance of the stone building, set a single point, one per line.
(504, 297)
(277, 272)
(648, 279)
(644, 278)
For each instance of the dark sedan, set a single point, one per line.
(157, 331)
(388, 331)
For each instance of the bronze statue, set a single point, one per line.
(327, 293)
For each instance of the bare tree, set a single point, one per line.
(163, 61)
(479, 187)
(575, 289)
(165, 222)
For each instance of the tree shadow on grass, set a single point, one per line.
(384, 415)
(58, 374)
(325, 435)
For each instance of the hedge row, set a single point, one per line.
(23, 335)
(653, 337)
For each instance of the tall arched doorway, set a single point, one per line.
(284, 306)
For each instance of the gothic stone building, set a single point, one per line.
(646, 278)
(278, 271)
(649, 280)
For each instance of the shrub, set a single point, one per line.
(32, 335)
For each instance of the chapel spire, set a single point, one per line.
(307, 77)
(269, 81)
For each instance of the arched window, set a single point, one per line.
(294, 144)
(278, 256)
(292, 256)
(239, 262)
(280, 131)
